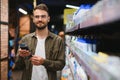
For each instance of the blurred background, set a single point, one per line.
(56, 10)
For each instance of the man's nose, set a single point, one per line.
(40, 18)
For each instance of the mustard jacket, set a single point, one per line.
(55, 56)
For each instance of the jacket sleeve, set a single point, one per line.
(19, 61)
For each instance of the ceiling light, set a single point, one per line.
(22, 11)
(71, 6)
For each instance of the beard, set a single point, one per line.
(41, 27)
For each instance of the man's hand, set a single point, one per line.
(24, 52)
(37, 60)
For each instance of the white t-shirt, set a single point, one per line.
(39, 72)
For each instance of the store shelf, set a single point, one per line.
(73, 28)
(100, 23)
(77, 71)
(103, 12)
(70, 64)
(94, 69)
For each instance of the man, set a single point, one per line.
(46, 48)
(61, 34)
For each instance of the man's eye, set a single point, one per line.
(43, 16)
(38, 16)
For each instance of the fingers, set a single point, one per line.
(24, 53)
(36, 60)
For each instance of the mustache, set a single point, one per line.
(40, 22)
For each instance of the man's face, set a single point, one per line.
(40, 19)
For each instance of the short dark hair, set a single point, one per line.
(42, 7)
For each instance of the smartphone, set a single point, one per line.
(24, 46)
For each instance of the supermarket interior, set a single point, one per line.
(91, 30)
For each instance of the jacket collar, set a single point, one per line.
(50, 34)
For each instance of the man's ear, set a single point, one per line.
(49, 19)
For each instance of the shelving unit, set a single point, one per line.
(94, 41)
